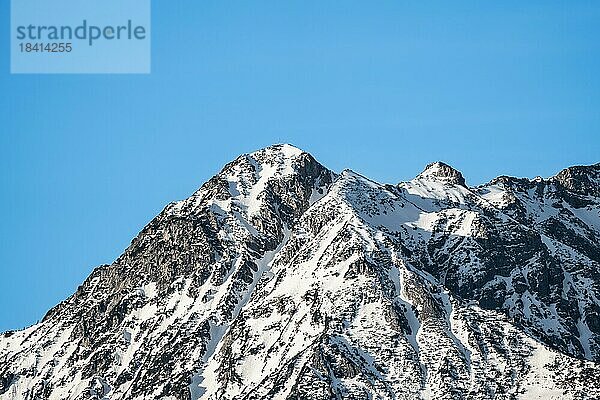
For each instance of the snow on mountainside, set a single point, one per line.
(279, 279)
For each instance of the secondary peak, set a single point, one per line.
(440, 171)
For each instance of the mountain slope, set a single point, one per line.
(281, 279)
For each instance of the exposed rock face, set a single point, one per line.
(582, 180)
(281, 279)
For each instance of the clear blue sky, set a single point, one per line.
(381, 87)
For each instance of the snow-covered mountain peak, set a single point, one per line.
(279, 279)
(278, 153)
(253, 181)
(440, 171)
(275, 161)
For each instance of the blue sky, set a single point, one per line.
(381, 87)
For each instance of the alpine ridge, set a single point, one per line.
(281, 279)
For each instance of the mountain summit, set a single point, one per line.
(280, 279)
(443, 172)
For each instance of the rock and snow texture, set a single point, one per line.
(280, 279)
